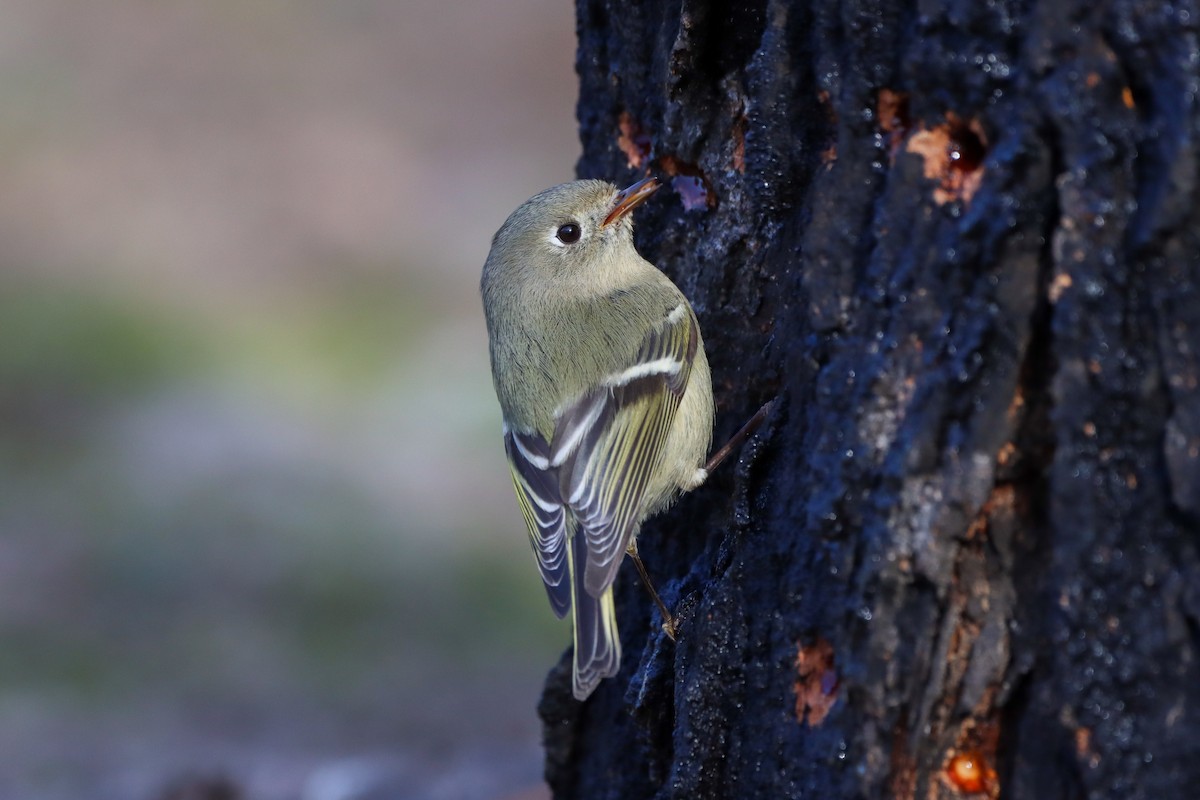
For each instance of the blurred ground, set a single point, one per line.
(255, 524)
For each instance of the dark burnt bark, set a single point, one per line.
(960, 241)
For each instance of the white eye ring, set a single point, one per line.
(567, 233)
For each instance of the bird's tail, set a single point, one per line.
(597, 642)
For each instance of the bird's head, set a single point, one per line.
(581, 230)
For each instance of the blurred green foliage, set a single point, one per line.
(258, 580)
(75, 342)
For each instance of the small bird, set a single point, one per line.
(605, 393)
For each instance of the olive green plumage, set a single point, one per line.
(605, 391)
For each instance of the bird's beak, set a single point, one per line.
(631, 198)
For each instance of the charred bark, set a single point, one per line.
(960, 241)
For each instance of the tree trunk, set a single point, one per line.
(960, 242)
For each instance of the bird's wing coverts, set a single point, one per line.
(599, 462)
(608, 442)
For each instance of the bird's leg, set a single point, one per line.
(736, 440)
(668, 619)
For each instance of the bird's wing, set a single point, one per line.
(607, 443)
(538, 495)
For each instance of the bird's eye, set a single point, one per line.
(569, 233)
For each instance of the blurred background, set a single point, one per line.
(257, 538)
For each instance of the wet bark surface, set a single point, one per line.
(960, 242)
